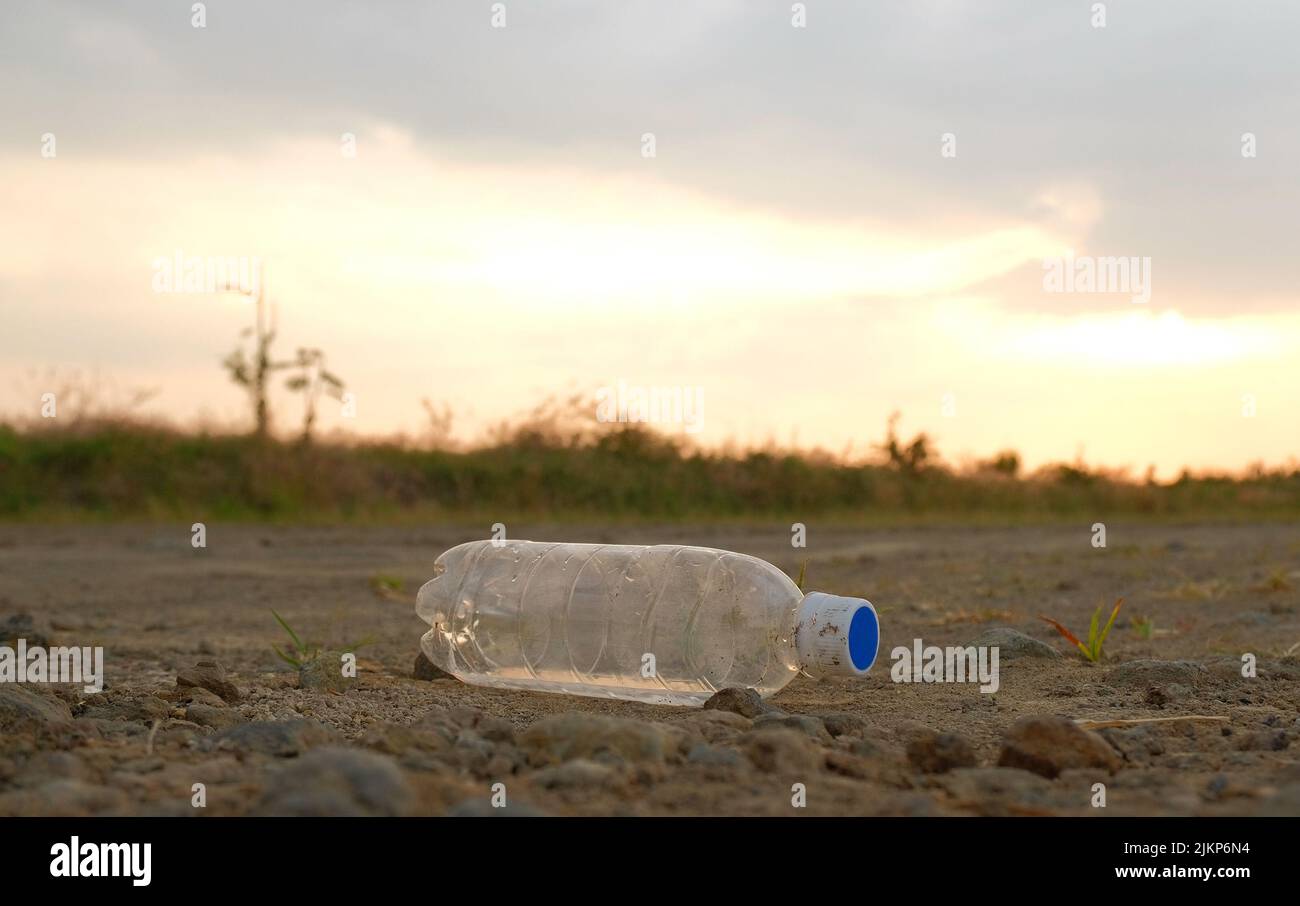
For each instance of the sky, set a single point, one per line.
(803, 216)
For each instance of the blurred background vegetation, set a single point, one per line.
(558, 462)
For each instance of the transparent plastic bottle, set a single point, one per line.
(666, 624)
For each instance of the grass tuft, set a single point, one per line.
(1092, 649)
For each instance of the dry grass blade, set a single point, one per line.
(1135, 721)
(1070, 636)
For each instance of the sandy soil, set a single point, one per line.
(392, 743)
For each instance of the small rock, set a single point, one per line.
(38, 633)
(877, 767)
(745, 702)
(1048, 745)
(840, 723)
(563, 737)
(1263, 741)
(1138, 745)
(148, 765)
(1175, 691)
(426, 669)
(208, 716)
(272, 737)
(325, 672)
(144, 708)
(488, 726)
(46, 766)
(472, 752)
(713, 756)
(999, 791)
(716, 726)
(21, 709)
(110, 729)
(810, 726)
(1147, 672)
(1012, 644)
(868, 747)
(397, 739)
(581, 773)
(210, 675)
(782, 751)
(65, 798)
(936, 753)
(189, 695)
(335, 781)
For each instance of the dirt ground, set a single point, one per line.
(1198, 598)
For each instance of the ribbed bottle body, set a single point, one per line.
(666, 624)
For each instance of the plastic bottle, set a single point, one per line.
(666, 624)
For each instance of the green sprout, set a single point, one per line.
(1145, 627)
(381, 582)
(303, 653)
(1092, 649)
(390, 587)
(803, 571)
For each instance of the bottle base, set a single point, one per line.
(646, 694)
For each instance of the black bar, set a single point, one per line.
(217, 855)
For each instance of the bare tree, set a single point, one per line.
(440, 419)
(252, 370)
(910, 458)
(311, 380)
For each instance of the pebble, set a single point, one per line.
(714, 756)
(208, 716)
(998, 791)
(563, 737)
(334, 781)
(21, 709)
(1012, 644)
(810, 726)
(65, 798)
(716, 726)
(1138, 745)
(210, 675)
(840, 723)
(936, 753)
(270, 737)
(325, 672)
(190, 695)
(1147, 672)
(398, 739)
(868, 747)
(745, 702)
(46, 766)
(488, 726)
(144, 708)
(581, 773)
(1047, 745)
(38, 633)
(1263, 741)
(783, 751)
